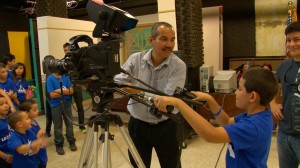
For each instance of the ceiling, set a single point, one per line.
(77, 7)
(134, 7)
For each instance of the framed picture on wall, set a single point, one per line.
(136, 40)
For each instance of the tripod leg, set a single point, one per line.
(122, 153)
(86, 148)
(94, 148)
(105, 150)
(106, 158)
(95, 140)
(108, 151)
(131, 147)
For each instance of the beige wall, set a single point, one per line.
(271, 20)
(166, 13)
(212, 38)
(53, 32)
(147, 19)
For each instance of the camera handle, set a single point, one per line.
(140, 98)
(157, 92)
(187, 100)
(142, 82)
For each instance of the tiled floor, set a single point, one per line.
(198, 154)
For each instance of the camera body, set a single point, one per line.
(95, 65)
(97, 61)
(100, 61)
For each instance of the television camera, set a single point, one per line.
(96, 64)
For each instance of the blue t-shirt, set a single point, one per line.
(22, 87)
(8, 85)
(42, 154)
(250, 140)
(4, 135)
(22, 160)
(53, 83)
(9, 74)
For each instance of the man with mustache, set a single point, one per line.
(163, 70)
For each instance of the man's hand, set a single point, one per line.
(276, 110)
(99, 2)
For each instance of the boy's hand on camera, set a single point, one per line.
(201, 96)
(161, 102)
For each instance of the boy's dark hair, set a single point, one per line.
(26, 105)
(46, 62)
(293, 27)
(7, 57)
(263, 82)
(154, 31)
(14, 118)
(17, 65)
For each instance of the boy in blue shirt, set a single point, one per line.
(31, 108)
(60, 102)
(8, 85)
(9, 60)
(248, 134)
(23, 142)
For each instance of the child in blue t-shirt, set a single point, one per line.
(5, 155)
(31, 108)
(8, 85)
(23, 142)
(249, 134)
(18, 76)
(9, 61)
(60, 90)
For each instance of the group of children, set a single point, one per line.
(22, 141)
(13, 79)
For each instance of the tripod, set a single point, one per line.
(89, 154)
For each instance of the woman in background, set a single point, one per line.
(240, 70)
(267, 66)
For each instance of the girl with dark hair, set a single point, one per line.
(18, 76)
